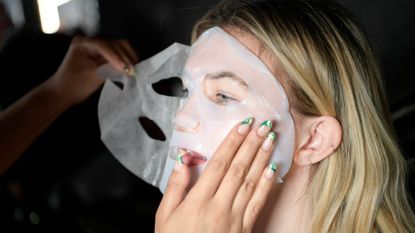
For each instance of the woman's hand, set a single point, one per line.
(76, 80)
(230, 192)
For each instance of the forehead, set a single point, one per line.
(254, 45)
(217, 50)
(251, 43)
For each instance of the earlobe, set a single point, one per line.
(322, 137)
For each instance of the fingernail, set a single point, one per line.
(272, 168)
(132, 71)
(267, 144)
(179, 163)
(264, 128)
(245, 125)
(129, 70)
(125, 68)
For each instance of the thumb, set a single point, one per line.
(176, 188)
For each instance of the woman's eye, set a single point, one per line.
(223, 99)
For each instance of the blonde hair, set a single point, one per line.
(332, 71)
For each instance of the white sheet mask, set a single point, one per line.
(120, 108)
(226, 83)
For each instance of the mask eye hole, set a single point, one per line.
(119, 84)
(172, 86)
(185, 92)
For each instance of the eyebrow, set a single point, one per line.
(227, 74)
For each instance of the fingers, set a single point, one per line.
(248, 186)
(129, 52)
(176, 190)
(241, 164)
(259, 198)
(103, 48)
(218, 165)
(125, 52)
(234, 177)
(118, 53)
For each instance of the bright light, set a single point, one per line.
(61, 2)
(49, 14)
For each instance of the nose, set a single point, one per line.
(187, 118)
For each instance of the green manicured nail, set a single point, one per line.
(179, 158)
(272, 136)
(267, 123)
(273, 166)
(247, 121)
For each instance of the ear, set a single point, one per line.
(321, 137)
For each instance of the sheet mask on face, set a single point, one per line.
(226, 83)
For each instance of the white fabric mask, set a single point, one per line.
(226, 83)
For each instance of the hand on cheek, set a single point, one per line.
(230, 192)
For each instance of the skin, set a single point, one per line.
(232, 190)
(228, 195)
(74, 81)
(287, 206)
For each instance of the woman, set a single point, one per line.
(347, 173)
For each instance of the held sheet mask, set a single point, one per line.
(225, 83)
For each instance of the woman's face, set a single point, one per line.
(226, 83)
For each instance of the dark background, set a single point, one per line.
(68, 182)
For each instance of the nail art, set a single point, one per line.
(247, 121)
(273, 166)
(179, 158)
(267, 123)
(272, 136)
(179, 164)
(245, 125)
(267, 144)
(264, 128)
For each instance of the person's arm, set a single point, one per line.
(75, 81)
(25, 120)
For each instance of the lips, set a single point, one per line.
(192, 158)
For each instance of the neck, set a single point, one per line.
(287, 208)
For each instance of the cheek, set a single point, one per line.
(214, 131)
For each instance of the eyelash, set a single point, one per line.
(218, 98)
(223, 99)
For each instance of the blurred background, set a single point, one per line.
(68, 181)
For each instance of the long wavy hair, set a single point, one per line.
(332, 71)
